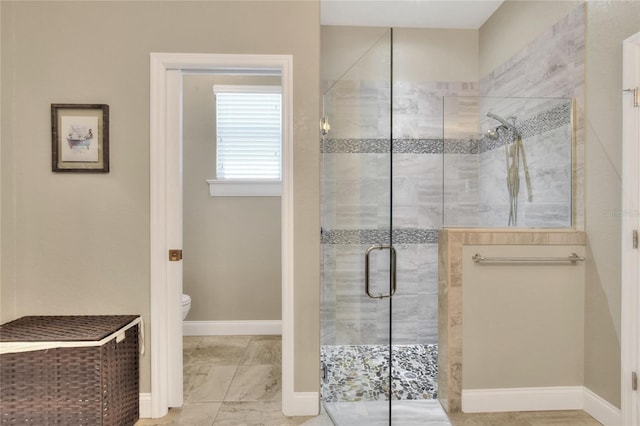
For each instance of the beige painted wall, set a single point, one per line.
(79, 244)
(7, 289)
(419, 54)
(231, 244)
(522, 323)
(342, 46)
(609, 23)
(513, 25)
(423, 54)
(3, 302)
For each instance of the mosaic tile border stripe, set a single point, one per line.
(548, 120)
(461, 146)
(354, 146)
(381, 146)
(400, 146)
(379, 236)
(551, 119)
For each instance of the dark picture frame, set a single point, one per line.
(80, 138)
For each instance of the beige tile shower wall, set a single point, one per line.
(231, 244)
(523, 323)
(451, 288)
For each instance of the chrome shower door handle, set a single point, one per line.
(392, 252)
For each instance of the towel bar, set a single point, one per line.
(573, 258)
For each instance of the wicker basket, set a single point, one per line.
(95, 381)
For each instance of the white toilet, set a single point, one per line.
(186, 305)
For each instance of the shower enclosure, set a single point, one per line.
(379, 324)
(400, 160)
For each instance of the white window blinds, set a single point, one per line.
(249, 135)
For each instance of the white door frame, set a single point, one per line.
(173, 176)
(630, 351)
(164, 215)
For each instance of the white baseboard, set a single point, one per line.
(601, 410)
(478, 401)
(301, 404)
(522, 399)
(541, 399)
(145, 405)
(231, 328)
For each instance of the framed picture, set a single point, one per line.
(80, 138)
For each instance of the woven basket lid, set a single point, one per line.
(63, 328)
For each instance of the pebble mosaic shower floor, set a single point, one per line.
(361, 372)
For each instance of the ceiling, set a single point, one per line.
(467, 14)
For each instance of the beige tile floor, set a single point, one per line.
(230, 380)
(235, 381)
(538, 418)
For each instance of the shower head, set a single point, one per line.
(494, 134)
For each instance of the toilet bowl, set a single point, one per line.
(186, 305)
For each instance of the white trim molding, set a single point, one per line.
(630, 262)
(231, 328)
(540, 399)
(522, 399)
(290, 403)
(145, 405)
(602, 410)
(158, 237)
(304, 404)
(244, 188)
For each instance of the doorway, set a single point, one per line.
(231, 142)
(166, 215)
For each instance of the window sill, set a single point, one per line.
(244, 188)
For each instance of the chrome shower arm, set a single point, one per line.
(503, 121)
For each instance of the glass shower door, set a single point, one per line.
(358, 271)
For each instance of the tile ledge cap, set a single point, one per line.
(515, 230)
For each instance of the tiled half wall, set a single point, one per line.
(451, 286)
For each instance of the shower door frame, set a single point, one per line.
(630, 343)
(386, 291)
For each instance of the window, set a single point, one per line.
(248, 141)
